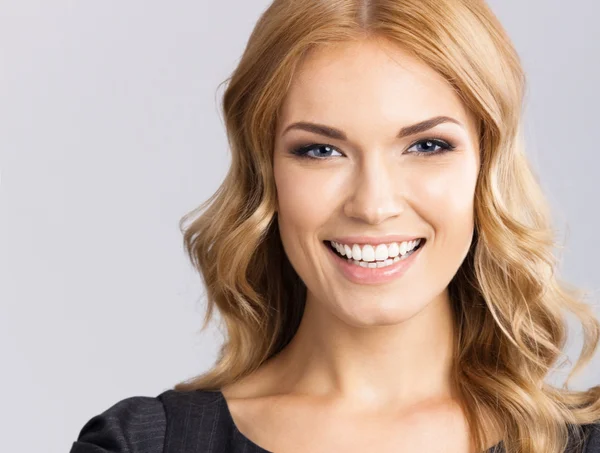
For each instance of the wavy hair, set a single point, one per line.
(508, 303)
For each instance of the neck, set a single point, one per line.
(371, 366)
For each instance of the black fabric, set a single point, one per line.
(592, 444)
(135, 424)
(194, 422)
(178, 422)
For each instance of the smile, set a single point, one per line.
(381, 255)
(368, 264)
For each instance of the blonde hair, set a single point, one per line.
(509, 305)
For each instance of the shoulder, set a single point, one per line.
(145, 424)
(201, 412)
(134, 425)
(177, 399)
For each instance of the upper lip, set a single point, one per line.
(375, 239)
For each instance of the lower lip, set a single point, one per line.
(367, 275)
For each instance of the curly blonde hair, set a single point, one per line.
(508, 304)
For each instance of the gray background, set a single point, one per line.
(110, 132)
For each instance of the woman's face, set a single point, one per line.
(366, 177)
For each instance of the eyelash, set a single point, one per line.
(445, 147)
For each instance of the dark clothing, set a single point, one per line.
(191, 422)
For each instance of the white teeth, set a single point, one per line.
(393, 250)
(403, 248)
(380, 253)
(356, 252)
(377, 264)
(348, 251)
(368, 253)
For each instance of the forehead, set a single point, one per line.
(367, 82)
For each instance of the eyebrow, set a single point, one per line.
(337, 134)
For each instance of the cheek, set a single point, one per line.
(307, 197)
(445, 195)
(443, 191)
(445, 200)
(306, 201)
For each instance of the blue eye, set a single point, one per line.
(322, 151)
(429, 147)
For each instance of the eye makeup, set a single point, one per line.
(443, 146)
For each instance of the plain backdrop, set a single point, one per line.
(110, 132)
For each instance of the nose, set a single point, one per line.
(376, 192)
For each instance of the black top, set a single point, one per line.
(191, 422)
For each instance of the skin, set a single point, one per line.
(373, 357)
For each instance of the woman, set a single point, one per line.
(380, 251)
